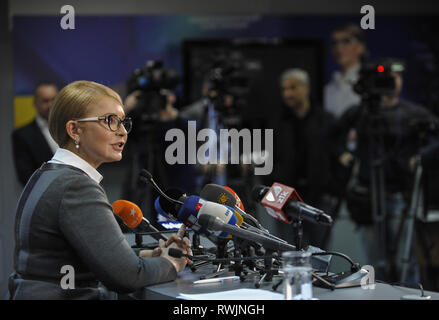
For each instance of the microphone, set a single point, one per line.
(239, 203)
(132, 216)
(215, 224)
(194, 206)
(167, 208)
(284, 203)
(248, 217)
(224, 213)
(177, 253)
(188, 214)
(216, 193)
(146, 177)
(222, 195)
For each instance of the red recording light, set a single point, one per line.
(380, 69)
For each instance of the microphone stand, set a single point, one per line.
(298, 233)
(237, 266)
(221, 253)
(268, 272)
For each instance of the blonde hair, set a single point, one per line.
(73, 102)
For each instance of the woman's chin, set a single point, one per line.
(115, 157)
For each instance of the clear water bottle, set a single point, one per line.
(297, 275)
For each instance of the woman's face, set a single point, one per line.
(97, 143)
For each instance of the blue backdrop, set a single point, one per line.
(106, 49)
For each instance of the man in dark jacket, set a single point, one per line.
(302, 156)
(32, 144)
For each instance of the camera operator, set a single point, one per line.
(385, 140)
(150, 103)
(224, 92)
(208, 113)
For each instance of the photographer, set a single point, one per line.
(386, 141)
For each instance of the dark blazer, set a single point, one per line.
(318, 149)
(64, 218)
(30, 150)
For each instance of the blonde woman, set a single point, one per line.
(64, 217)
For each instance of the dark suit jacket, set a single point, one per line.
(317, 146)
(30, 150)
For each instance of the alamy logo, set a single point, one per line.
(368, 20)
(67, 21)
(229, 147)
(68, 281)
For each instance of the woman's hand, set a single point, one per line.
(150, 253)
(177, 241)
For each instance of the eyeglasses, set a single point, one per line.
(113, 122)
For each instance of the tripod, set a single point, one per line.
(373, 125)
(414, 202)
(378, 192)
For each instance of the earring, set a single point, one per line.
(76, 145)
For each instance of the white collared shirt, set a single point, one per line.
(65, 156)
(44, 127)
(339, 92)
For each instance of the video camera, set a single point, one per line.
(155, 82)
(229, 77)
(376, 79)
(153, 77)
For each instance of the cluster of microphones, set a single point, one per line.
(218, 212)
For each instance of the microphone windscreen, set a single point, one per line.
(165, 207)
(188, 213)
(189, 210)
(239, 217)
(219, 194)
(224, 213)
(239, 203)
(129, 212)
(206, 221)
(159, 210)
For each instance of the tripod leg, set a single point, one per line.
(378, 214)
(411, 221)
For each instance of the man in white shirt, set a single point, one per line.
(32, 144)
(348, 46)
